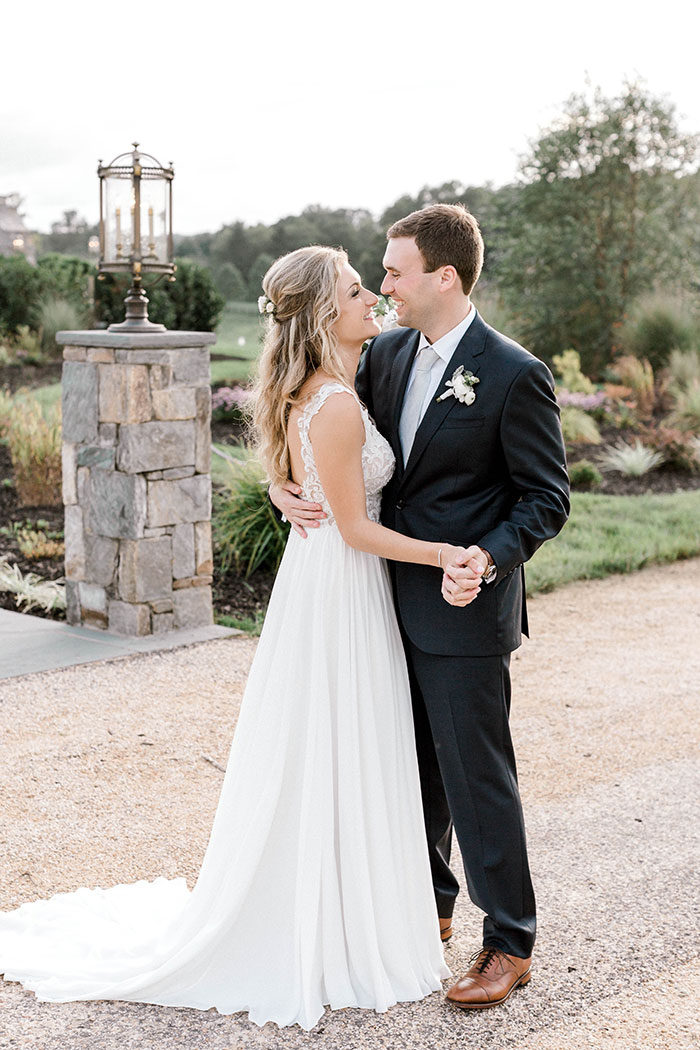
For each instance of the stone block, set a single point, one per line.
(72, 602)
(69, 472)
(107, 433)
(125, 396)
(191, 365)
(203, 555)
(74, 536)
(183, 551)
(202, 456)
(193, 607)
(154, 475)
(155, 446)
(160, 377)
(101, 559)
(93, 604)
(100, 354)
(116, 504)
(143, 357)
(145, 569)
(125, 618)
(83, 476)
(164, 605)
(176, 502)
(192, 581)
(149, 533)
(74, 353)
(96, 456)
(174, 403)
(178, 472)
(79, 401)
(162, 622)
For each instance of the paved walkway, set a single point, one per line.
(111, 772)
(31, 643)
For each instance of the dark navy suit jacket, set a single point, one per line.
(491, 473)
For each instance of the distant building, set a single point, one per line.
(15, 238)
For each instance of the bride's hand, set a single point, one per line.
(463, 569)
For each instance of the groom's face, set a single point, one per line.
(413, 290)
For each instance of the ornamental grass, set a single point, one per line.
(34, 441)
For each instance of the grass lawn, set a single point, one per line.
(239, 321)
(608, 534)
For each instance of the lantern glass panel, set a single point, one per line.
(118, 218)
(155, 220)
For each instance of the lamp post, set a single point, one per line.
(136, 229)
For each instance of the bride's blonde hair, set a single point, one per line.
(303, 286)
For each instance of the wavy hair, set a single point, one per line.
(303, 286)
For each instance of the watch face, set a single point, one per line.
(490, 574)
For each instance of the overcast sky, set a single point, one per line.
(346, 103)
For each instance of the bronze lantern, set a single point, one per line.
(136, 229)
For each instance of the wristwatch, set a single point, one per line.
(491, 570)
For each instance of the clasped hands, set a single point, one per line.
(463, 567)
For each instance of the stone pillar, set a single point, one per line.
(136, 480)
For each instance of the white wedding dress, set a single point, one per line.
(315, 888)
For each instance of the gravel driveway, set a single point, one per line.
(110, 772)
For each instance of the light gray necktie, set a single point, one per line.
(413, 405)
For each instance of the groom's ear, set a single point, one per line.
(448, 278)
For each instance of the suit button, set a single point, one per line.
(400, 504)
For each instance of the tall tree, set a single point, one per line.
(598, 218)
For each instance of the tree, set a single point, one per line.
(596, 220)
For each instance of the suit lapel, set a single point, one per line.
(468, 353)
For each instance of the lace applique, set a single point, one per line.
(377, 456)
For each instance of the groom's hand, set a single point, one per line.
(300, 514)
(461, 581)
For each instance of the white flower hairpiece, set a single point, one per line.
(461, 386)
(265, 305)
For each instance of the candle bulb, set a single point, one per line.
(118, 216)
(150, 224)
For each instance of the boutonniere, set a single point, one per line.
(461, 386)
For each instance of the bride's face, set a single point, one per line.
(356, 322)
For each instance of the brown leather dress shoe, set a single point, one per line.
(490, 979)
(445, 930)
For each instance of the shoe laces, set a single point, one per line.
(483, 958)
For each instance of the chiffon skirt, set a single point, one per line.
(315, 887)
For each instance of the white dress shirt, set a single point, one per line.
(444, 347)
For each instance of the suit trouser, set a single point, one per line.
(468, 780)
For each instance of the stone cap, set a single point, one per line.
(133, 340)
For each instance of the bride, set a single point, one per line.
(315, 887)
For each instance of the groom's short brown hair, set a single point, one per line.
(445, 235)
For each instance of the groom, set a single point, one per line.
(480, 462)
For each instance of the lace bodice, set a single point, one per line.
(377, 456)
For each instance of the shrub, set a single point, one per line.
(684, 368)
(20, 290)
(247, 534)
(584, 475)
(57, 315)
(35, 449)
(229, 404)
(68, 278)
(687, 411)
(190, 303)
(36, 543)
(677, 447)
(578, 426)
(567, 366)
(638, 376)
(631, 460)
(30, 590)
(657, 325)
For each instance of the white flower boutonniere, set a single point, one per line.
(461, 386)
